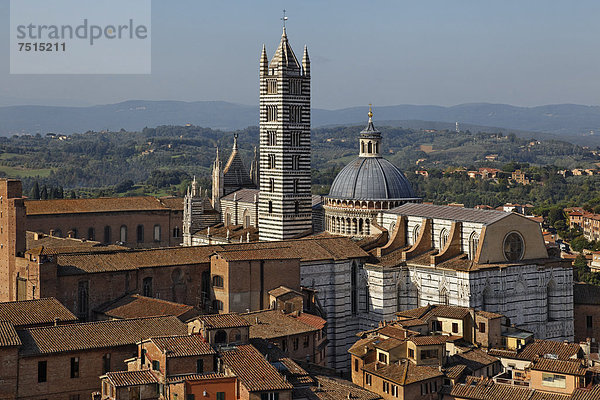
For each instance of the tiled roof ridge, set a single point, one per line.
(112, 321)
(28, 300)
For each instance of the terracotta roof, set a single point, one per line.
(99, 205)
(8, 335)
(254, 372)
(312, 320)
(393, 332)
(295, 374)
(488, 315)
(415, 312)
(449, 312)
(559, 366)
(362, 346)
(474, 360)
(174, 203)
(432, 340)
(223, 321)
(455, 371)
(539, 395)
(486, 389)
(45, 244)
(274, 253)
(586, 293)
(131, 378)
(281, 290)
(388, 344)
(329, 388)
(198, 377)
(404, 373)
(183, 345)
(136, 306)
(537, 348)
(28, 313)
(586, 394)
(274, 324)
(96, 335)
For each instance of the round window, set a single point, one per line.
(513, 247)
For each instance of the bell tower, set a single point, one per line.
(285, 202)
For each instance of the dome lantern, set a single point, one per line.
(370, 139)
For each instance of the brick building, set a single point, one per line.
(132, 221)
(586, 309)
(65, 361)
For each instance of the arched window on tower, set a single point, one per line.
(123, 234)
(271, 185)
(270, 207)
(140, 233)
(370, 148)
(443, 238)
(296, 207)
(444, 297)
(473, 244)
(415, 235)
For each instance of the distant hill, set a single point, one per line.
(569, 121)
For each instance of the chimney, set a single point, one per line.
(51, 232)
(56, 321)
(256, 320)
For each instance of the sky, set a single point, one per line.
(444, 52)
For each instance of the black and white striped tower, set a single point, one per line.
(285, 202)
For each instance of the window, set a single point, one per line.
(192, 396)
(220, 336)
(82, 299)
(199, 366)
(157, 233)
(424, 389)
(394, 390)
(218, 281)
(284, 344)
(416, 231)
(386, 387)
(156, 365)
(454, 327)
(140, 233)
(443, 238)
(295, 86)
(589, 322)
(368, 379)
(295, 139)
(436, 326)
(107, 235)
(270, 206)
(482, 327)
(269, 396)
(296, 207)
(271, 113)
(295, 161)
(306, 341)
(220, 395)
(356, 365)
(42, 371)
(272, 185)
(429, 354)
(554, 380)
(73, 397)
(91, 234)
(295, 114)
(383, 358)
(176, 232)
(296, 343)
(106, 363)
(411, 353)
(272, 163)
(74, 367)
(513, 247)
(123, 234)
(217, 305)
(473, 244)
(147, 286)
(295, 185)
(271, 86)
(74, 232)
(271, 138)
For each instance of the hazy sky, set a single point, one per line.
(443, 52)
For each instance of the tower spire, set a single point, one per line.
(284, 18)
(235, 136)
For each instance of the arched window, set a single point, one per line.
(140, 233)
(473, 244)
(147, 286)
(157, 233)
(74, 232)
(107, 234)
(370, 146)
(218, 281)
(295, 161)
(246, 219)
(487, 299)
(91, 234)
(270, 206)
(176, 232)
(415, 235)
(513, 247)
(123, 234)
(444, 297)
(235, 335)
(271, 185)
(296, 207)
(220, 336)
(83, 300)
(227, 216)
(443, 238)
(552, 301)
(57, 233)
(218, 306)
(295, 185)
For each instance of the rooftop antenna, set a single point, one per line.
(284, 18)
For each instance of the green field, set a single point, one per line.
(16, 172)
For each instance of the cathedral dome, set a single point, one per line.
(371, 178)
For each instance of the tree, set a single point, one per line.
(44, 193)
(35, 193)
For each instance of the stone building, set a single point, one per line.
(366, 186)
(285, 201)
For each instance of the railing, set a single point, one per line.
(512, 382)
